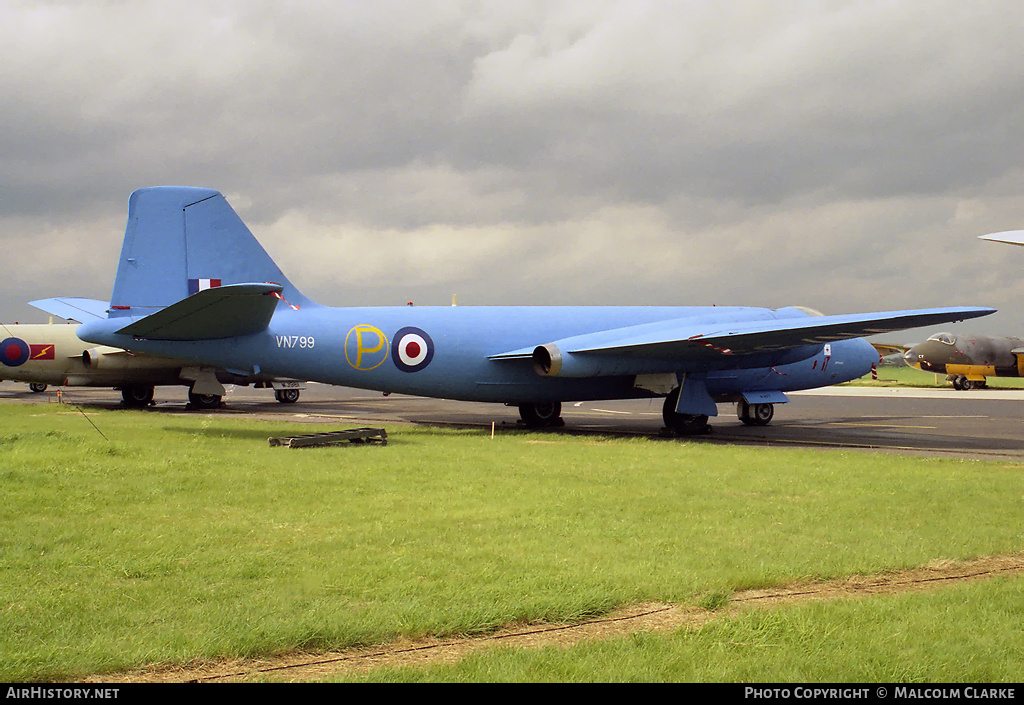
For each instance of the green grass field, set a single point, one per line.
(179, 537)
(967, 634)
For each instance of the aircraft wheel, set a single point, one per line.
(287, 396)
(682, 424)
(137, 395)
(541, 414)
(761, 414)
(203, 401)
(743, 412)
(966, 384)
(755, 414)
(37, 387)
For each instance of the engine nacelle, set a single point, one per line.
(550, 361)
(547, 360)
(99, 358)
(104, 357)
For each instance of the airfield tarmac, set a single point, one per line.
(982, 424)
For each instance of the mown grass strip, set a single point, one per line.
(188, 537)
(959, 634)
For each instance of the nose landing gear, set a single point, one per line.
(755, 414)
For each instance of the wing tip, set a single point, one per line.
(1009, 237)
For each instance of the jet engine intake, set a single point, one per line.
(547, 360)
(93, 358)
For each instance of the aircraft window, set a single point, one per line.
(944, 338)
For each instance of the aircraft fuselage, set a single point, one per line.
(974, 357)
(445, 351)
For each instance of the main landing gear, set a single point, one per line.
(203, 401)
(692, 424)
(137, 396)
(683, 424)
(541, 414)
(961, 383)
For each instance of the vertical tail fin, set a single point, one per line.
(180, 240)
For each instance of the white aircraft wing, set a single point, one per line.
(683, 339)
(1011, 237)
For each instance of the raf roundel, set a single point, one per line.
(412, 350)
(14, 352)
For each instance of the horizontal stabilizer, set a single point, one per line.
(221, 312)
(73, 308)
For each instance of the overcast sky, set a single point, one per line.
(839, 155)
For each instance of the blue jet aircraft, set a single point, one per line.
(193, 283)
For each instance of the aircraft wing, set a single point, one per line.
(1011, 237)
(220, 312)
(684, 339)
(73, 308)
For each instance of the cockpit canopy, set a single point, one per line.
(944, 338)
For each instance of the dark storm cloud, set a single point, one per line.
(833, 154)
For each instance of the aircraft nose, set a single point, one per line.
(912, 357)
(858, 355)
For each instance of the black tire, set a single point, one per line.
(286, 396)
(203, 401)
(137, 396)
(541, 414)
(682, 424)
(743, 413)
(37, 387)
(762, 414)
(966, 385)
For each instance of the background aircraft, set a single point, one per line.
(193, 283)
(52, 354)
(967, 359)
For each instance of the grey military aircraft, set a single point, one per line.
(968, 360)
